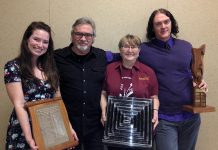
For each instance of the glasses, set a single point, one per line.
(130, 47)
(165, 22)
(79, 35)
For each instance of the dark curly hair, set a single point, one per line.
(150, 27)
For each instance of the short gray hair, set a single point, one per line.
(84, 20)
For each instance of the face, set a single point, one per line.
(82, 38)
(162, 27)
(38, 42)
(129, 53)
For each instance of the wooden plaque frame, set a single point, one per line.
(50, 124)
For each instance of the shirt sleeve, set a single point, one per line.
(112, 57)
(11, 72)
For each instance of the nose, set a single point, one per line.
(130, 48)
(40, 44)
(163, 25)
(83, 37)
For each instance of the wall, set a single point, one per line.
(114, 18)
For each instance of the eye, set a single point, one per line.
(36, 39)
(46, 42)
(88, 35)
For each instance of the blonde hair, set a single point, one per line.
(132, 40)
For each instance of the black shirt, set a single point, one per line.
(81, 81)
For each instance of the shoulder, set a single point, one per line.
(12, 64)
(12, 72)
(146, 46)
(114, 64)
(144, 68)
(181, 42)
(100, 55)
(61, 51)
(98, 51)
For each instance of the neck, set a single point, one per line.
(128, 64)
(164, 40)
(34, 61)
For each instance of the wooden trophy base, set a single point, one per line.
(200, 109)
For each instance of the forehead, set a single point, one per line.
(160, 17)
(84, 28)
(129, 42)
(40, 33)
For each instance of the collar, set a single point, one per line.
(119, 65)
(162, 44)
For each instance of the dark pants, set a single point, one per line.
(177, 135)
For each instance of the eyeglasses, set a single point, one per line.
(159, 24)
(79, 35)
(130, 47)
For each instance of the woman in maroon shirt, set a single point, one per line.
(130, 78)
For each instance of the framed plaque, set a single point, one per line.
(50, 124)
(129, 122)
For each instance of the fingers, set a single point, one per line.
(203, 86)
(75, 135)
(33, 145)
(103, 118)
(155, 119)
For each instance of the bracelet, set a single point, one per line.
(155, 109)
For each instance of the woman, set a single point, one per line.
(31, 76)
(130, 78)
(171, 60)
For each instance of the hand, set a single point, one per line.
(155, 118)
(74, 136)
(103, 118)
(32, 144)
(202, 86)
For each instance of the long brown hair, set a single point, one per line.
(45, 62)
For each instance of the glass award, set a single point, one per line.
(129, 122)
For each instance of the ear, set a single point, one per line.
(202, 48)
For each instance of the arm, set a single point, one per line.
(103, 104)
(112, 57)
(155, 110)
(16, 96)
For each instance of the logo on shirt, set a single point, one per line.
(144, 78)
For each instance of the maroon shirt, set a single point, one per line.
(143, 80)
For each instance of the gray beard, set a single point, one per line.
(82, 48)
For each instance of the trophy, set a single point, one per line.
(129, 122)
(199, 96)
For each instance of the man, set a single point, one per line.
(81, 68)
(171, 58)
